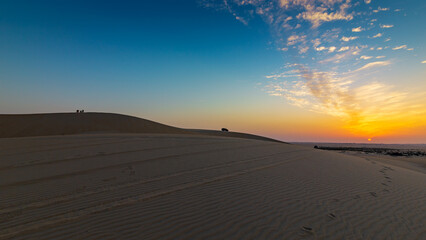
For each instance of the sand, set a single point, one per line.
(189, 186)
(26, 125)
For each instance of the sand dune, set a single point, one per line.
(183, 186)
(28, 125)
(25, 125)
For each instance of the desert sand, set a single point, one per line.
(103, 180)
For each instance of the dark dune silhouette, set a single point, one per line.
(46, 124)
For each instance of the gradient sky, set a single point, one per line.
(296, 70)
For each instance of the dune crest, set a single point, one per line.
(48, 124)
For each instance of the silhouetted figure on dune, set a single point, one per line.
(225, 130)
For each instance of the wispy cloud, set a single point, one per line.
(424, 61)
(358, 29)
(400, 47)
(377, 35)
(373, 65)
(318, 12)
(369, 110)
(381, 9)
(328, 67)
(347, 39)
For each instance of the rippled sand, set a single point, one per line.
(159, 186)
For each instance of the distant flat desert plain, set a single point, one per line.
(110, 176)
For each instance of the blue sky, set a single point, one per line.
(137, 51)
(208, 63)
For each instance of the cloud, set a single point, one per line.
(319, 80)
(347, 39)
(321, 48)
(369, 110)
(377, 35)
(286, 74)
(340, 56)
(381, 9)
(373, 65)
(316, 15)
(358, 29)
(400, 47)
(330, 49)
(316, 42)
(293, 39)
(424, 61)
(303, 49)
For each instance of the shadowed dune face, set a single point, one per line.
(74, 123)
(29, 125)
(174, 186)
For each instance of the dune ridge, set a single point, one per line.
(48, 124)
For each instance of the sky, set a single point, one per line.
(295, 70)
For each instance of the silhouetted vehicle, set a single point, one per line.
(315, 146)
(225, 130)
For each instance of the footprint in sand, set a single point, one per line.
(384, 184)
(373, 194)
(356, 197)
(307, 229)
(331, 215)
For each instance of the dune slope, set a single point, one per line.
(28, 125)
(24, 125)
(173, 186)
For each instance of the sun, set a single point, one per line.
(369, 139)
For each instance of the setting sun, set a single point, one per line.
(369, 139)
